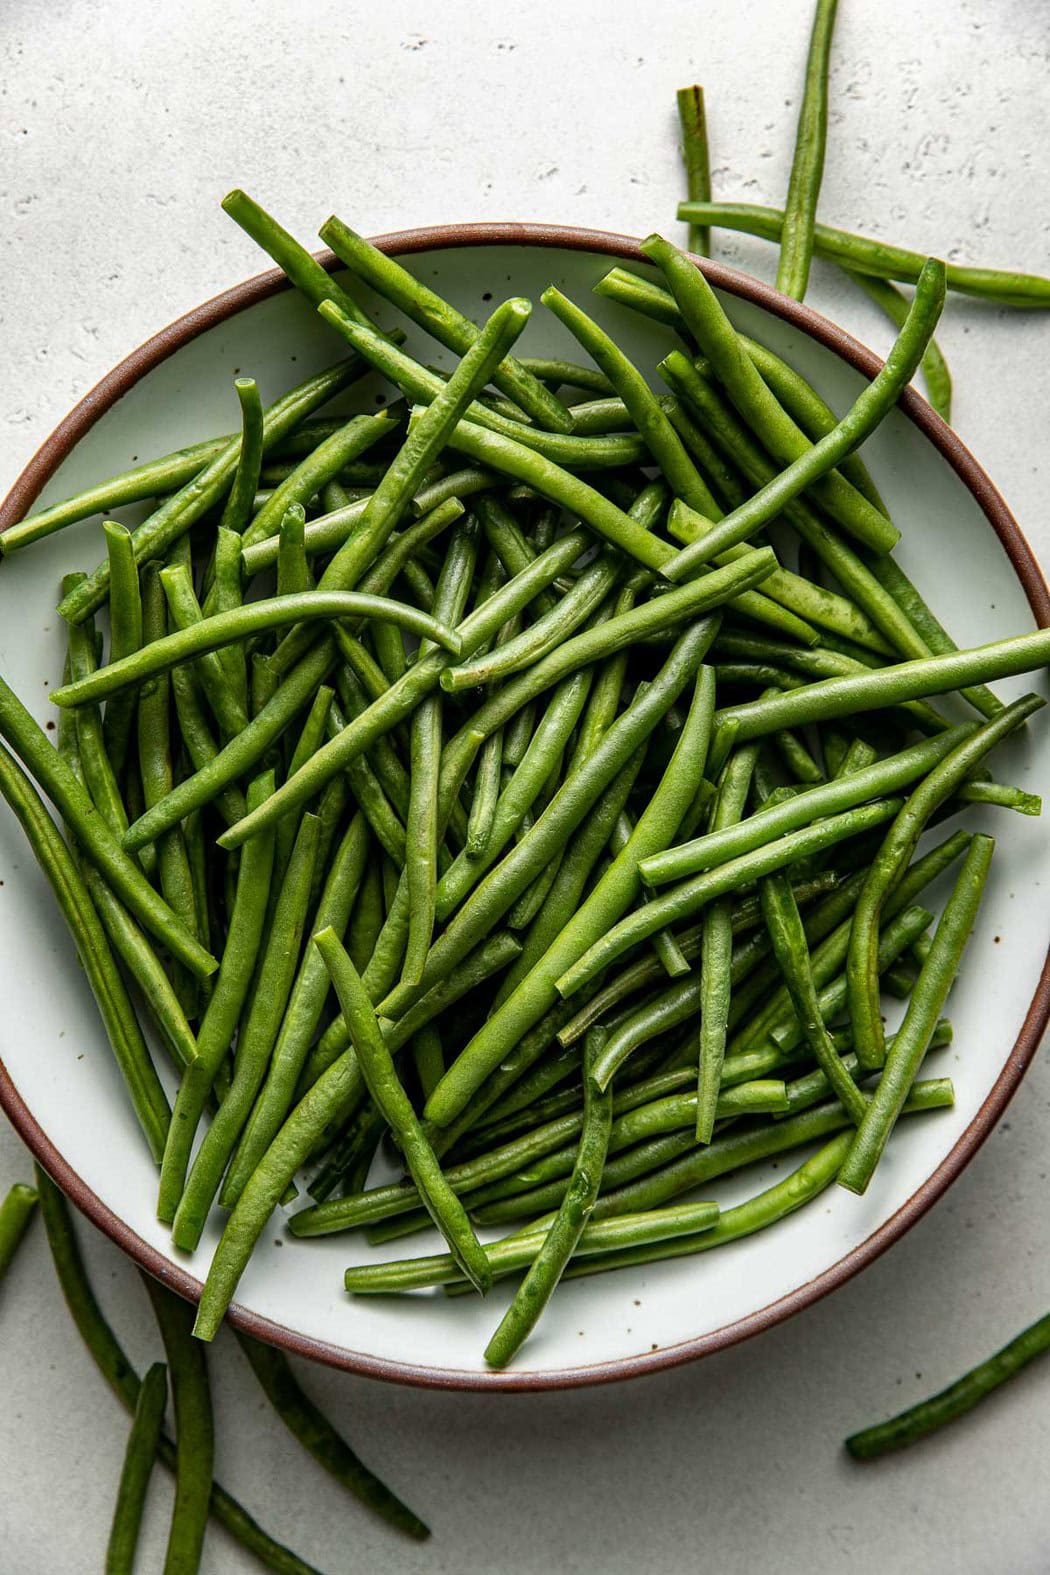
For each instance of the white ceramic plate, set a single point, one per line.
(58, 1082)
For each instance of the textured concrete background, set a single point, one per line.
(121, 127)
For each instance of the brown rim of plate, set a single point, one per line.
(439, 238)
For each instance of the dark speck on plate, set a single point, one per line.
(487, 296)
(50, 726)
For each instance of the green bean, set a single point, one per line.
(118, 1016)
(140, 1454)
(112, 1362)
(698, 1165)
(536, 994)
(666, 947)
(569, 374)
(870, 691)
(810, 1089)
(882, 777)
(521, 791)
(317, 468)
(896, 583)
(682, 901)
(918, 1421)
(799, 398)
(315, 1432)
(934, 367)
(792, 953)
(808, 465)
(807, 167)
(237, 510)
(519, 1251)
(862, 255)
(382, 1082)
(425, 307)
(423, 833)
(692, 123)
(811, 1178)
(897, 848)
(913, 1037)
(197, 736)
(227, 595)
(224, 1008)
(402, 698)
(179, 512)
(16, 1214)
(428, 1056)
(273, 981)
(125, 615)
(293, 570)
(598, 417)
(998, 793)
(716, 948)
(97, 841)
(660, 437)
(209, 634)
(194, 1429)
(227, 704)
(561, 1239)
(98, 772)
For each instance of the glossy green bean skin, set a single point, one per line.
(139, 1456)
(219, 1024)
(255, 617)
(308, 1423)
(425, 307)
(897, 848)
(536, 993)
(811, 1178)
(237, 509)
(255, 1041)
(125, 617)
(807, 167)
(118, 1016)
(16, 1214)
(561, 1239)
(900, 1432)
(792, 953)
(863, 255)
(934, 367)
(692, 122)
(682, 901)
(924, 1008)
(178, 513)
(843, 793)
(99, 845)
(378, 1070)
(660, 437)
(807, 463)
(716, 949)
(870, 691)
(115, 1367)
(194, 1429)
(816, 460)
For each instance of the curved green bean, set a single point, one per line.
(194, 1429)
(237, 510)
(934, 367)
(16, 1214)
(146, 1427)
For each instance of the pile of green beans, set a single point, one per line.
(565, 879)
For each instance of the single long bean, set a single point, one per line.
(894, 304)
(125, 620)
(897, 848)
(575, 1208)
(237, 509)
(308, 1423)
(807, 166)
(863, 255)
(381, 1079)
(692, 123)
(924, 1008)
(194, 1429)
(147, 1424)
(918, 1421)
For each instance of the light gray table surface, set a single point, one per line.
(121, 126)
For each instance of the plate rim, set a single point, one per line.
(209, 314)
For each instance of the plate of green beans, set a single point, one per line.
(536, 748)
